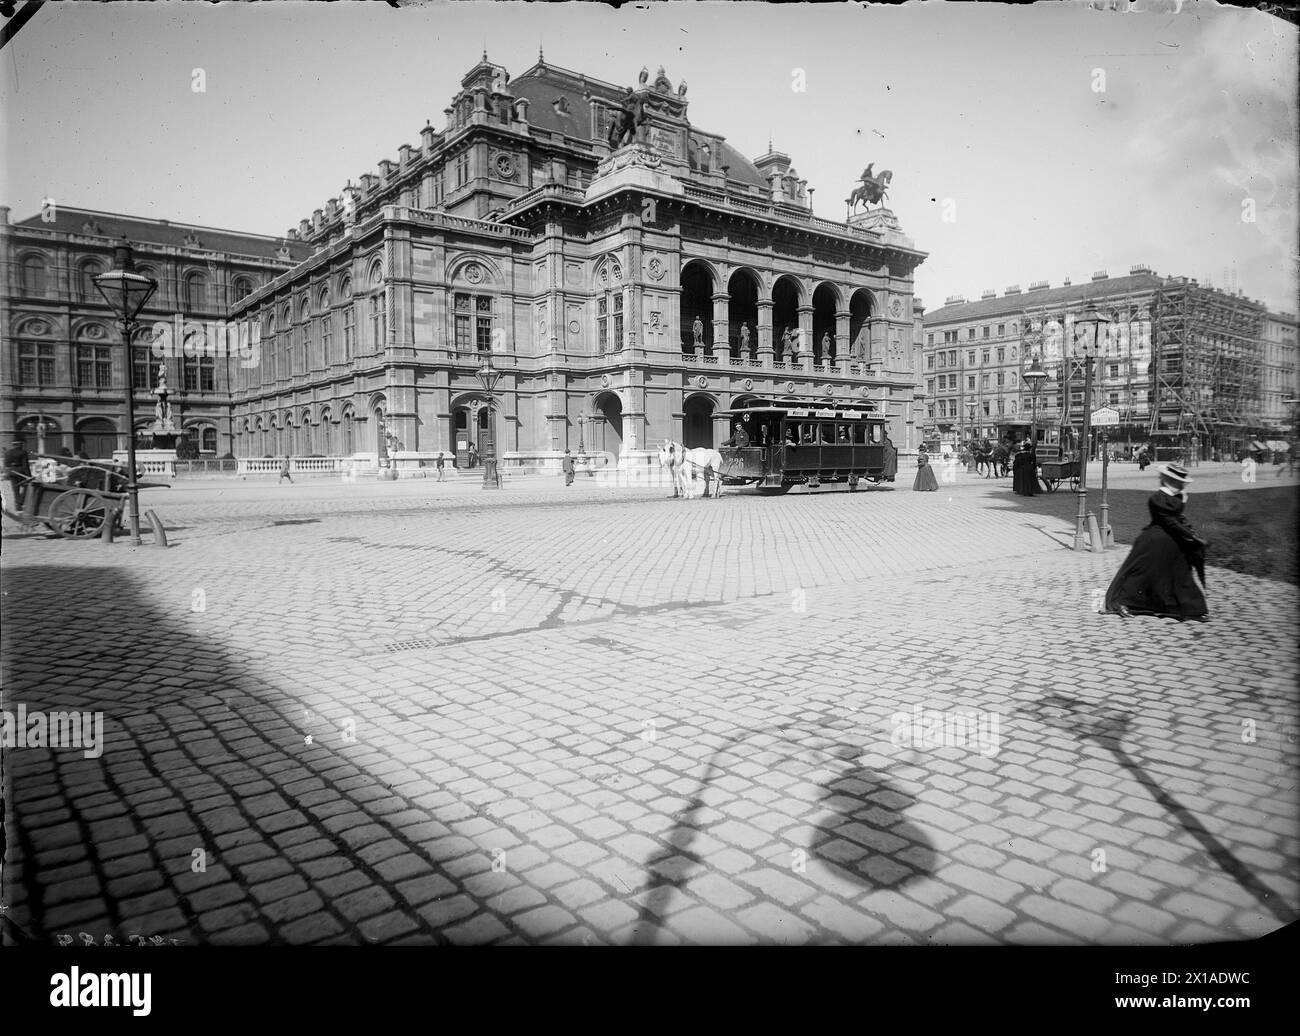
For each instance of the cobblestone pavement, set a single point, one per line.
(417, 713)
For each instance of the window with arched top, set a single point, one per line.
(33, 276)
(208, 440)
(196, 292)
(378, 321)
(86, 274)
(284, 359)
(376, 274)
(242, 287)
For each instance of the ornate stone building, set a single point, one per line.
(63, 369)
(627, 294)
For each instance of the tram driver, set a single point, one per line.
(739, 437)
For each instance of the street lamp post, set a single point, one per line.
(1035, 376)
(1091, 324)
(126, 293)
(488, 377)
(582, 443)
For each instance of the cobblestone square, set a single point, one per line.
(422, 713)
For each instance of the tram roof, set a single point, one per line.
(808, 408)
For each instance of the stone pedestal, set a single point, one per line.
(882, 221)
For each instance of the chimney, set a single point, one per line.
(1139, 268)
(316, 219)
(1038, 286)
(1013, 290)
(385, 168)
(405, 153)
(291, 235)
(331, 208)
(1099, 275)
(367, 182)
(1065, 283)
(989, 293)
(304, 228)
(427, 137)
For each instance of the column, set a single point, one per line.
(721, 343)
(843, 347)
(805, 331)
(764, 332)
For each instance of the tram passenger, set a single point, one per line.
(791, 435)
(808, 435)
(844, 434)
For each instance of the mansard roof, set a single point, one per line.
(544, 85)
(139, 230)
(1043, 298)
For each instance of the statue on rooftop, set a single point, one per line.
(872, 189)
(624, 126)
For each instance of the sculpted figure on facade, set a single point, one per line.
(871, 188)
(744, 339)
(624, 128)
(697, 330)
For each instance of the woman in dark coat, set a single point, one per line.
(925, 480)
(1024, 472)
(1156, 577)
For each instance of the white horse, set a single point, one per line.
(685, 466)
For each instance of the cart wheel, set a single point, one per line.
(1051, 484)
(1074, 483)
(78, 515)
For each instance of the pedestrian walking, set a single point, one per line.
(284, 471)
(442, 468)
(925, 480)
(1024, 471)
(1156, 577)
(1143, 459)
(568, 468)
(473, 456)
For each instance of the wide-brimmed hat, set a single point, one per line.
(1174, 472)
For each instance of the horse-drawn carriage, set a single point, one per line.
(786, 444)
(82, 498)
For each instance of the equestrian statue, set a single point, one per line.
(871, 189)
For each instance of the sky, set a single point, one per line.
(1027, 143)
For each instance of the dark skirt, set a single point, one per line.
(925, 480)
(1024, 479)
(1156, 579)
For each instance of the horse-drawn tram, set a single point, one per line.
(782, 445)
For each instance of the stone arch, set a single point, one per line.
(826, 304)
(787, 297)
(863, 306)
(459, 266)
(698, 409)
(97, 436)
(743, 289)
(606, 427)
(699, 280)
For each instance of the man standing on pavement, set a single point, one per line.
(442, 468)
(284, 471)
(18, 466)
(567, 466)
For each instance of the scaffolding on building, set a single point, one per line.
(1206, 362)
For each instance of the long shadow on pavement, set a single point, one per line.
(208, 816)
(857, 798)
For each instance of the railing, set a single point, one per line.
(711, 360)
(690, 357)
(549, 190)
(272, 465)
(481, 226)
(190, 467)
(754, 363)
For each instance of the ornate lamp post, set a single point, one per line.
(582, 443)
(488, 377)
(1034, 378)
(1090, 330)
(126, 293)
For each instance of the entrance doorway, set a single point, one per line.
(697, 423)
(607, 426)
